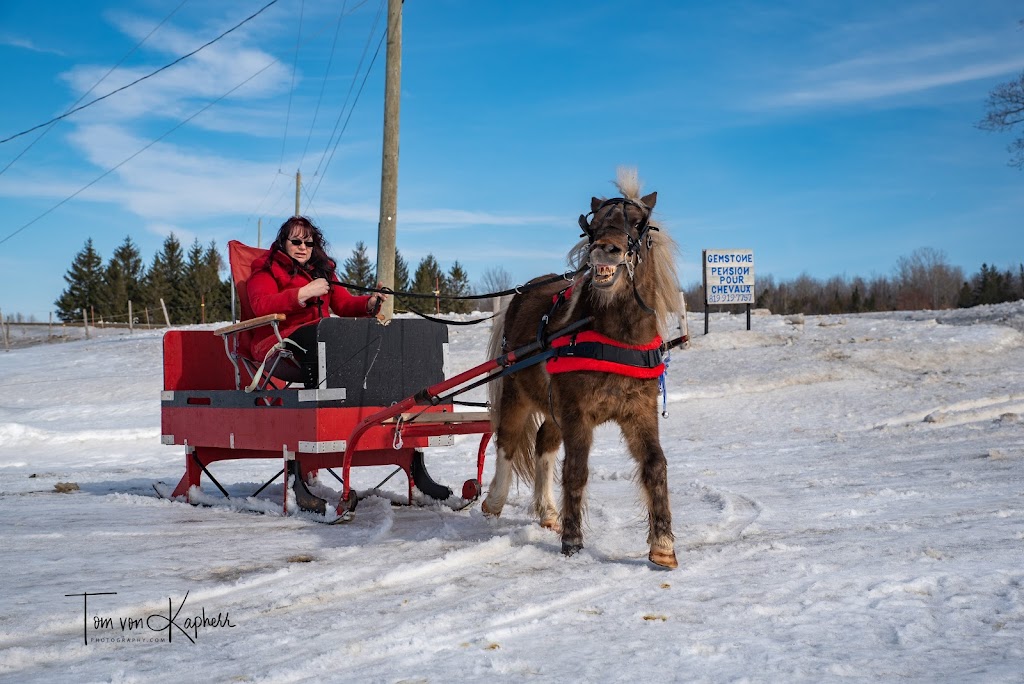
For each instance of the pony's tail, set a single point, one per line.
(494, 350)
(522, 445)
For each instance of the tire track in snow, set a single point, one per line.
(960, 413)
(738, 513)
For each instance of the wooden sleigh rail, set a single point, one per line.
(249, 324)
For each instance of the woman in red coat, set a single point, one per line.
(293, 279)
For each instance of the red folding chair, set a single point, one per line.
(280, 367)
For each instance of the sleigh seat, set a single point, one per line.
(280, 368)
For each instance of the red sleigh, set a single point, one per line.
(380, 398)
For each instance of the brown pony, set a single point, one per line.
(630, 289)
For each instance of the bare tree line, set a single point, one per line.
(923, 280)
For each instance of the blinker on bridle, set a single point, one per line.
(642, 227)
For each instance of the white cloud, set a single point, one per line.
(26, 44)
(874, 74)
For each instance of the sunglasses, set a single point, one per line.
(297, 242)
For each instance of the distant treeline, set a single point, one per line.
(193, 290)
(923, 280)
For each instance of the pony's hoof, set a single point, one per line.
(552, 524)
(665, 558)
(571, 548)
(486, 510)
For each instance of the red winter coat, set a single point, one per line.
(277, 291)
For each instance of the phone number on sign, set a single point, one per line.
(729, 299)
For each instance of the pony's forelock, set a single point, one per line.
(627, 180)
(660, 259)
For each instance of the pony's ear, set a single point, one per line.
(649, 200)
(594, 204)
(584, 225)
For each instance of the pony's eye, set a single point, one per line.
(614, 250)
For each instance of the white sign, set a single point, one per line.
(729, 276)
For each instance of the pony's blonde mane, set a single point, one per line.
(659, 260)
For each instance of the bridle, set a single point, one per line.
(643, 230)
(642, 227)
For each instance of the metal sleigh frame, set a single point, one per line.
(204, 409)
(207, 408)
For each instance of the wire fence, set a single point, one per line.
(15, 332)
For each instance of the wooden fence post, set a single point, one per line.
(85, 319)
(685, 327)
(49, 334)
(131, 327)
(166, 317)
(7, 342)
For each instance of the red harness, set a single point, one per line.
(592, 351)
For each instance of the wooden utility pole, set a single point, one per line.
(298, 191)
(387, 227)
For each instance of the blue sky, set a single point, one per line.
(829, 137)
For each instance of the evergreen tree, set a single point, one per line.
(428, 276)
(457, 285)
(125, 274)
(401, 281)
(205, 296)
(218, 298)
(86, 288)
(986, 287)
(855, 304)
(191, 296)
(165, 280)
(357, 269)
(966, 298)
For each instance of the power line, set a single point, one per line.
(143, 78)
(280, 173)
(323, 84)
(291, 91)
(136, 154)
(94, 86)
(350, 111)
(352, 83)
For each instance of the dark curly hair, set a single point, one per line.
(319, 265)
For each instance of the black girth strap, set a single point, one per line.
(599, 351)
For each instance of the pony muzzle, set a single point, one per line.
(604, 275)
(606, 262)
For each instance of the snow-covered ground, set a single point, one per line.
(848, 500)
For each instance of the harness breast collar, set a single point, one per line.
(592, 351)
